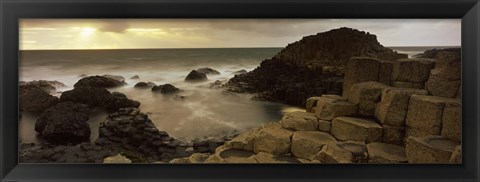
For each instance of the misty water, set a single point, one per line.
(204, 111)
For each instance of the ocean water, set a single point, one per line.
(203, 112)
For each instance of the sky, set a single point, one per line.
(40, 34)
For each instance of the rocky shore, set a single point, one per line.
(312, 66)
(364, 104)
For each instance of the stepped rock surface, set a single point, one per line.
(311, 66)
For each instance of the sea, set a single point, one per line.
(204, 112)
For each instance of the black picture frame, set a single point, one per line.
(13, 10)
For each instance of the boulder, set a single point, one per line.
(457, 155)
(393, 134)
(100, 81)
(414, 70)
(239, 72)
(324, 125)
(135, 77)
(386, 153)
(263, 157)
(273, 139)
(393, 106)
(117, 159)
(35, 100)
(45, 85)
(115, 77)
(332, 154)
(429, 149)
(366, 95)
(165, 89)
(306, 144)
(452, 120)
(144, 85)
(300, 121)
(243, 141)
(98, 97)
(360, 69)
(64, 123)
(348, 128)
(334, 106)
(311, 104)
(425, 113)
(208, 71)
(195, 76)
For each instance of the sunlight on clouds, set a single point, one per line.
(87, 31)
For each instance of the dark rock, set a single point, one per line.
(310, 67)
(216, 84)
(432, 53)
(239, 72)
(36, 101)
(135, 77)
(98, 97)
(106, 81)
(165, 89)
(46, 86)
(195, 76)
(208, 71)
(64, 123)
(82, 75)
(144, 85)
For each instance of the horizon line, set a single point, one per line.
(395, 46)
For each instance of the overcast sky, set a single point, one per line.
(204, 33)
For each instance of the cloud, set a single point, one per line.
(115, 26)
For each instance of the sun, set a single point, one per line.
(87, 31)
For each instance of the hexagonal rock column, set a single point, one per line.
(329, 107)
(306, 144)
(393, 106)
(243, 141)
(444, 79)
(324, 125)
(273, 139)
(452, 120)
(360, 69)
(366, 95)
(393, 134)
(385, 153)
(333, 154)
(429, 149)
(311, 104)
(300, 121)
(410, 73)
(358, 129)
(424, 116)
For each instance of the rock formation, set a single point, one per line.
(208, 71)
(166, 89)
(309, 67)
(97, 97)
(196, 76)
(106, 81)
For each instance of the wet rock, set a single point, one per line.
(100, 81)
(306, 144)
(165, 89)
(386, 153)
(348, 128)
(195, 76)
(144, 85)
(36, 101)
(47, 86)
(64, 123)
(115, 77)
(300, 121)
(98, 97)
(429, 149)
(208, 71)
(135, 77)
